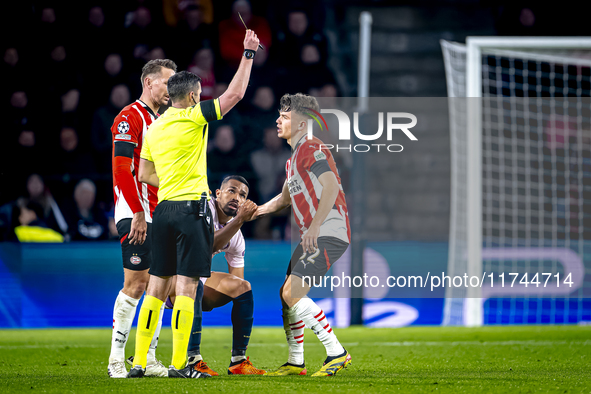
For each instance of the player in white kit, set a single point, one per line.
(230, 210)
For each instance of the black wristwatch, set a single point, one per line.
(249, 53)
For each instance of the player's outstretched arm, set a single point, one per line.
(330, 192)
(237, 87)
(147, 173)
(279, 202)
(244, 214)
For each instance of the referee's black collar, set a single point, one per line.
(155, 116)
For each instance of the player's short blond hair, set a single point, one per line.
(299, 103)
(155, 66)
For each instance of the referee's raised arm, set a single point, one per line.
(237, 87)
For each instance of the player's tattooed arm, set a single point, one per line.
(278, 203)
(147, 173)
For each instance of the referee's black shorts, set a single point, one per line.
(135, 257)
(182, 241)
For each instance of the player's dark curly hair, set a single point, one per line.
(181, 84)
(155, 66)
(299, 103)
(236, 178)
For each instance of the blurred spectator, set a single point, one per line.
(113, 66)
(269, 164)
(101, 126)
(58, 63)
(70, 105)
(196, 32)
(70, 100)
(19, 110)
(49, 29)
(263, 73)
(298, 34)
(172, 10)
(51, 213)
(154, 53)
(260, 114)
(110, 75)
(12, 65)
(24, 150)
(317, 73)
(86, 221)
(142, 35)
(224, 160)
(70, 158)
(96, 33)
(61, 67)
(202, 65)
(231, 32)
(31, 227)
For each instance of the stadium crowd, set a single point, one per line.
(65, 83)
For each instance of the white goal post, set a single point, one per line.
(465, 78)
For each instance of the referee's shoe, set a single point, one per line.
(187, 372)
(136, 372)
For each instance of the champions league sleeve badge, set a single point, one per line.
(123, 127)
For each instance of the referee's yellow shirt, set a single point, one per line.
(176, 143)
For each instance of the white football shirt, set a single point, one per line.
(235, 249)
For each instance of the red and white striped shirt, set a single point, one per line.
(130, 194)
(308, 161)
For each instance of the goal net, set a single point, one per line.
(520, 125)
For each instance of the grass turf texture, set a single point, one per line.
(422, 359)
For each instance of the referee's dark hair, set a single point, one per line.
(181, 84)
(236, 178)
(155, 66)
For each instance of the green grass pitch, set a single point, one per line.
(506, 359)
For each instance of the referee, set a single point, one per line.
(173, 159)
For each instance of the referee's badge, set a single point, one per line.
(123, 127)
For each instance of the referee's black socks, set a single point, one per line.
(194, 348)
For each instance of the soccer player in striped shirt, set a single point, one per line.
(313, 189)
(134, 203)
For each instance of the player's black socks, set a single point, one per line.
(242, 311)
(194, 347)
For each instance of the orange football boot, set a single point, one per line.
(245, 368)
(202, 366)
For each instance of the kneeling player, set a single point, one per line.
(221, 288)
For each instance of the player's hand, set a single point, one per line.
(251, 41)
(139, 229)
(310, 239)
(247, 211)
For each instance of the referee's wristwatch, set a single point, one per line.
(249, 53)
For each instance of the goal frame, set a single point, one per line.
(474, 48)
